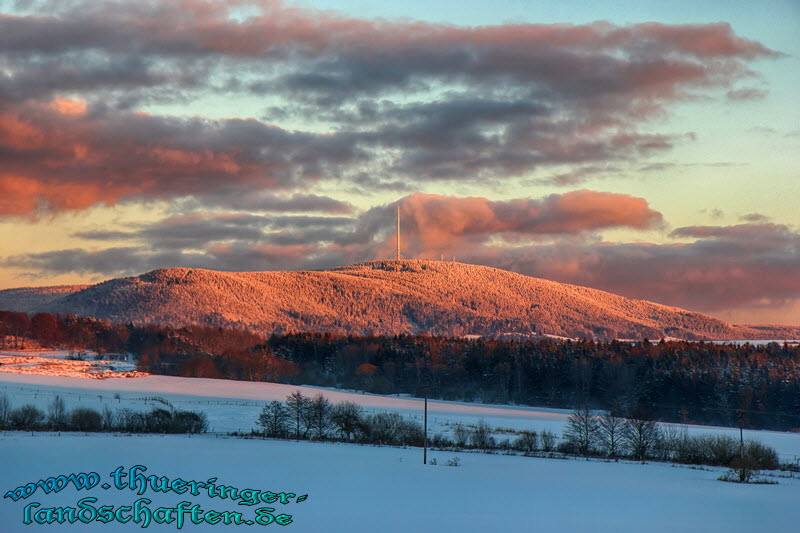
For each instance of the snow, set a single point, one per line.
(364, 488)
(234, 405)
(63, 363)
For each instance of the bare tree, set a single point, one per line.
(57, 414)
(319, 415)
(640, 433)
(581, 430)
(5, 408)
(274, 419)
(609, 430)
(109, 418)
(347, 418)
(298, 410)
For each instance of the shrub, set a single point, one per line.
(455, 461)
(441, 441)
(189, 422)
(527, 442)
(481, 436)
(27, 418)
(548, 440)
(347, 419)
(86, 419)
(763, 457)
(460, 436)
(411, 434)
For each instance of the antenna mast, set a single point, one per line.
(398, 233)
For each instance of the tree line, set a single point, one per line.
(587, 434)
(757, 386)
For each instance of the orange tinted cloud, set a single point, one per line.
(435, 223)
(67, 106)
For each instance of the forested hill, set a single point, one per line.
(381, 297)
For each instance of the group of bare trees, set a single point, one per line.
(640, 437)
(608, 434)
(316, 418)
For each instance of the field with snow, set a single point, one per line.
(365, 488)
(234, 405)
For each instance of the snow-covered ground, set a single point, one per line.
(65, 363)
(234, 405)
(354, 488)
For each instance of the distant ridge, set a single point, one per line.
(381, 297)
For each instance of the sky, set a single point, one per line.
(647, 148)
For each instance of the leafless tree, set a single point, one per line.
(640, 434)
(57, 414)
(609, 430)
(581, 430)
(274, 419)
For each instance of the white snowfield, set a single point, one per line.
(354, 488)
(235, 405)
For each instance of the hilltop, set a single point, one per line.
(381, 297)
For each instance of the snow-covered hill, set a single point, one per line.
(383, 297)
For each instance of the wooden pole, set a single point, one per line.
(425, 446)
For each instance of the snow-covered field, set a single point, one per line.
(354, 488)
(65, 363)
(368, 488)
(234, 405)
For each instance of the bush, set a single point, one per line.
(27, 418)
(347, 418)
(441, 441)
(460, 436)
(763, 457)
(548, 440)
(383, 428)
(188, 422)
(86, 419)
(411, 434)
(481, 436)
(527, 442)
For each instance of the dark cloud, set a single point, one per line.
(726, 267)
(245, 200)
(746, 94)
(386, 103)
(754, 217)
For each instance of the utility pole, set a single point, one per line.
(740, 416)
(425, 445)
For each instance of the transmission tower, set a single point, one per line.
(397, 257)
